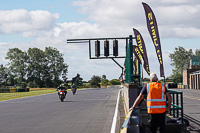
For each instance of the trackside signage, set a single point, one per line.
(141, 46)
(153, 30)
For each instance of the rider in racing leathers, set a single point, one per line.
(74, 86)
(63, 87)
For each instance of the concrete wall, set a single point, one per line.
(130, 93)
(185, 77)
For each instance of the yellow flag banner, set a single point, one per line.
(141, 46)
(137, 53)
(153, 30)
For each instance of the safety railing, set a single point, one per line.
(177, 104)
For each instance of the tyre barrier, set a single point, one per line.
(11, 90)
(183, 87)
(4, 90)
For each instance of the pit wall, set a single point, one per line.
(130, 93)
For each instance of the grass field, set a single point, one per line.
(32, 92)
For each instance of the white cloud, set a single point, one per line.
(180, 1)
(20, 20)
(3, 43)
(122, 15)
(179, 16)
(176, 19)
(190, 32)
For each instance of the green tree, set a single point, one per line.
(77, 80)
(95, 80)
(197, 52)
(176, 77)
(180, 59)
(36, 66)
(3, 75)
(17, 63)
(11, 80)
(104, 81)
(115, 82)
(64, 72)
(55, 63)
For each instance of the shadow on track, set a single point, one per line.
(69, 101)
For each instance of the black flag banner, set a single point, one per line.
(141, 45)
(153, 30)
(137, 53)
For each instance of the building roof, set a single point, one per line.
(194, 73)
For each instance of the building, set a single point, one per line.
(191, 75)
(195, 80)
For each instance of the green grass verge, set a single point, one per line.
(32, 92)
(14, 95)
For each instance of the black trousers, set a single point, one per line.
(157, 121)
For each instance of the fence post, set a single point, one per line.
(182, 107)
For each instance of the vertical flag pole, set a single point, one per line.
(164, 79)
(142, 76)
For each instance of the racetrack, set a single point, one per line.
(89, 111)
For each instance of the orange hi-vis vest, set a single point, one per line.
(156, 102)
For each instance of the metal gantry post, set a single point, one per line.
(129, 61)
(90, 49)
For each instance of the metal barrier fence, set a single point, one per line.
(177, 104)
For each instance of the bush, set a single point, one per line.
(114, 82)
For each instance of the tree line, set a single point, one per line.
(35, 67)
(44, 68)
(97, 81)
(180, 59)
(38, 68)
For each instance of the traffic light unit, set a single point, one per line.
(115, 47)
(97, 48)
(106, 48)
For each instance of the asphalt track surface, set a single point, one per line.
(191, 109)
(89, 111)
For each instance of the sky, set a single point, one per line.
(49, 23)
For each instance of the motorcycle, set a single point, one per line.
(73, 91)
(61, 94)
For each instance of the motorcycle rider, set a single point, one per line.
(73, 86)
(62, 87)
